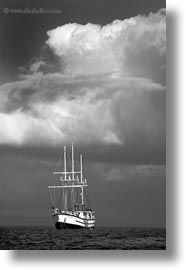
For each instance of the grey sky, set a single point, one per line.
(103, 88)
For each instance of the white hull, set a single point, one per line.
(63, 221)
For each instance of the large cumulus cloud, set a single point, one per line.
(107, 90)
(132, 47)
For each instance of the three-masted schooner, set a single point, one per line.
(70, 206)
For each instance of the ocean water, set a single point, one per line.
(102, 238)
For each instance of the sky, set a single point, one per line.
(93, 75)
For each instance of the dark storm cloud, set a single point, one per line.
(33, 28)
(100, 96)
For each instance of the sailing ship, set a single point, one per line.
(70, 205)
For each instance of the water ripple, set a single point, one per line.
(48, 238)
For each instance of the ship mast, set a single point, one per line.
(65, 163)
(72, 161)
(69, 180)
(81, 169)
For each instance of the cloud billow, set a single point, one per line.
(132, 47)
(102, 93)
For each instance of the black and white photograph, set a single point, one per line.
(83, 125)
